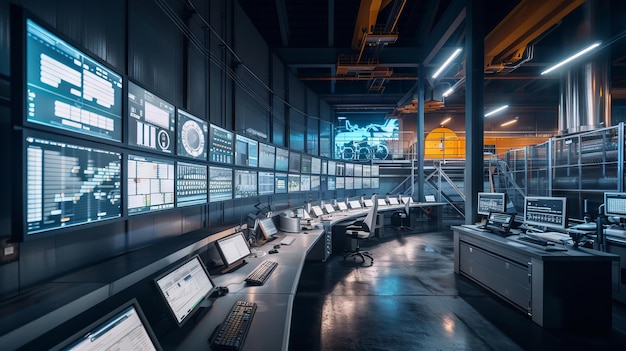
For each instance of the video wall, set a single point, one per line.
(89, 157)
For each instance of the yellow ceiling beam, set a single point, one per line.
(365, 21)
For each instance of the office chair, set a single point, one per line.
(362, 230)
(404, 216)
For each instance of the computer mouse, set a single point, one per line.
(222, 290)
(276, 246)
(273, 251)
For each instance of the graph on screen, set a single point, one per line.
(245, 183)
(150, 184)
(220, 184)
(191, 184)
(151, 120)
(221, 145)
(266, 183)
(192, 136)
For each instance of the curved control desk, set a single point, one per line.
(557, 289)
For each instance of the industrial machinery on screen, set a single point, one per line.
(370, 142)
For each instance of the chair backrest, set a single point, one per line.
(407, 205)
(369, 223)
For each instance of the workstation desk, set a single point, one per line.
(557, 289)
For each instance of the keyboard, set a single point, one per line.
(261, 273)
(233, 331)
(540, 243)
(533, 240)
(288, 240)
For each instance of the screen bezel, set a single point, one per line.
(563, 200)
(99, 322)
(221, 252)
(198, 305)
(606, 208)
(481, 195)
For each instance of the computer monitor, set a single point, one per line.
(382, 202)
(375, 171)
(332, 168)
(220, 184)
(367, 183)
(150, 184)
(268, 228)
(295, 161)
(331, 183)
(550, 212)
(340, 182)
(305, 165)
(341, 169)
(305, 182)
(349, 170)
(329, 208)
(342, 206)
(221, 145)
(233, 250)
(367, 171)
(393, 200)
(354, 204)
(368, 203)
(374, 183)
(293, 183)
(125, 325)
(281, 182)
(499, 223)
(193, 135)
(282, 160)
(615, 204)
(246, 151)
(315, 183)
(267, 156)
(266, 183)
(191, 184)
(68, 184)
(491, 202)
(151, 121)
(184, 288)
(245, 183)
(358, 170)
(348, 183)
(429, 198)
(317, 211)
(358, 183)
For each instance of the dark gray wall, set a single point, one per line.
(140, 41)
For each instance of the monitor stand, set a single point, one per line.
(233, 267)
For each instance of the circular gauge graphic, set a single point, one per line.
(163, 139)
(192, 138)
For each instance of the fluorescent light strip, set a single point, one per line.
(580, 53)
(508, 123)
(445, 64)
(448, 92)
(496, 110)
(446, 121)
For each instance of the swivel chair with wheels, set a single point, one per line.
(362, 230)
(402, 219)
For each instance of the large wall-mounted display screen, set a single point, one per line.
(68, 90)
(331, 184)
(294, 162)
(151, 121)
(266, 183)
(220, 184)
(150, 184)
(246, 151)
(245, 183)
(192, 138)
(221, 145)
(191, 184)
(68, 185)
(282, 159)
(315, 183)
(305, 182)
(280, 183)
(332, 168)
(359, 139)
(267, 155)
(349, 183)
(293, 183)
(341, 169)
(340, 183)
(358, 170)
(305, 165)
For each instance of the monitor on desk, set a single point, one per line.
(355, 204)
(381, 202)
(499, 222)
(550, 212)
(268, 228)
(615, 204)
(368, 203)
(184, 287)
(491, 202)
(329, 208)
(125, 325)
(317, 211)
(429, 198)
(233, 249)
(393, 201)
(342, 206)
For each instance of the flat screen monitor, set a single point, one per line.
(324, 167)
(375, 183)
(615, 204)
(316, 165)
(191, 184)
(246, 151)
(221, 145)
(282, 159)
(267, 156)
(491, 202)
(305, 164)
(332, 167)
(358, 170)
(354, 204)
(233, 249)
(280, 183)
(220, 184)
(349, 170)
(266, 183)
(125, 325)
(245, 183)
(429, 198)
(315, 183)
(317, 211)
(268, 228)
(367, 183)
(358, 183)
(193, 134)
(367, 171)
(67, 89)
(375, 171)
(340, 183)
(151, 120)
(329, 208)
(331, 183)
(305, 182)
(293, 183)
(294, 162)
(342, 206)
(341, 169)
(150, 184)
(546, 211)
(68, 185)
(184, 288)
(349, 183)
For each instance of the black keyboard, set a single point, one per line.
(534, 240)
(260, 274)
(233, 331)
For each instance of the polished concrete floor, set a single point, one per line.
(410, 299)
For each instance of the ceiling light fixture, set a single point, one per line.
(448, 61)
(446, 121)
(501, 108)
(573, 57)
(508, 123)
(448, 92)
(342, 117)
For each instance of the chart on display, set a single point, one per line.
(305, 182)
(150, 184)
(316, 165)
(192, 136)
(331, 183)
(151, 120)
(68, 90)
(266, 183)
(220, 184)
(191, 184)
(315, 183)
(293, 183)
(245, 183)
(267, 155)
(280, 183)
(246, 151)
(282, 159)
(305, 164)
(221, 145)
(68, 185)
